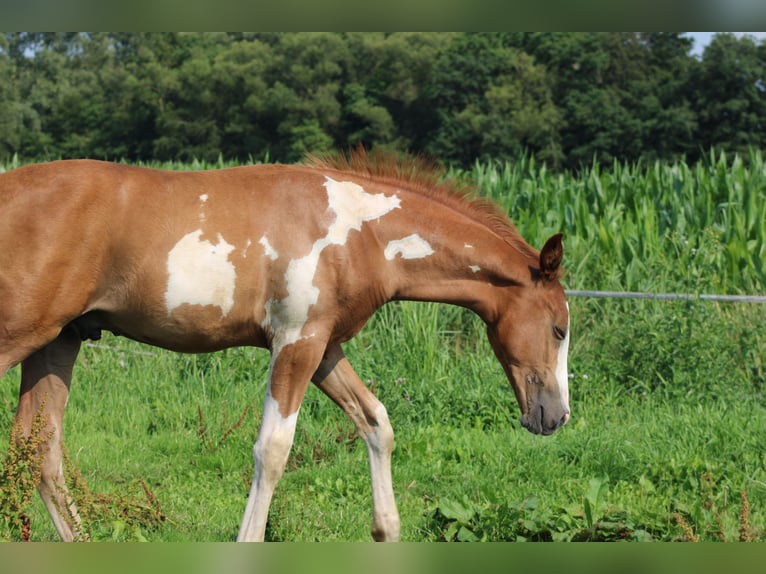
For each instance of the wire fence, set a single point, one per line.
(569, 293)
(667, 296)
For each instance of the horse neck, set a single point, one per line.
(446, 256)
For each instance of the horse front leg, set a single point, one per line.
(289, 377)
(338, 380)
(45, 379)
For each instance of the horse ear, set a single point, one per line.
(550, 257)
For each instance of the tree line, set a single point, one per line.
(565, 99)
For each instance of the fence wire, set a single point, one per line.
(569, 293)
(667, 296)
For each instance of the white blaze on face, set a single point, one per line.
(200, 273)
(410, 247)
(351, 206)
(562, 374)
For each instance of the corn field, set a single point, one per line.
(645, 227)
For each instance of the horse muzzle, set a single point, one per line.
(540, 421)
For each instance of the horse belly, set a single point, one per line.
(196, 302)
(192, 329)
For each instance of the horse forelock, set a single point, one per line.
(426, 177)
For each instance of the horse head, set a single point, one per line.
(530, 337)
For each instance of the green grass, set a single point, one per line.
(669, 411)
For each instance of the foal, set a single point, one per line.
(292, 258)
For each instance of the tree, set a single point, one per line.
(239, 81)
(623, 95)
(492, 100)
(11, 109)
(383, 100)
(303, 101)
(186, 123)
(564, 98)
(664, 98)
(520, 114)
(730, 94)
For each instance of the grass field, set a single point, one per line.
(669, 406)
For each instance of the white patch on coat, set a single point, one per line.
(202, 201)
(410, 247)
(474, 268)
(200, 273)
(467, 246)
(562, 374)
(248, 243)
(268, 250)
(351, 206)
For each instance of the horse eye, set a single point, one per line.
(559, 333)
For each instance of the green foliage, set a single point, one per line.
(730, 82)
(493, 101)
(563, 98)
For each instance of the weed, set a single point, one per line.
(687, 530)
(126, 514)
(20, 475)
(212, 444)
(710, 515)
(745, 532)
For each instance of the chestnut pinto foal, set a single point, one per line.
(292, 258)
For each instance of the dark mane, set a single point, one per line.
(426, 177)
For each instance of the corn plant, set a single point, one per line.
(637, 226)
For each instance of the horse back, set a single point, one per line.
(184, 260)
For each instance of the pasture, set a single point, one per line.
(668, 400)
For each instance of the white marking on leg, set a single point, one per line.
(562, 373)
(380, 444)
(351, 206)
(410, 247)
(270, 455)
(268, 250)
(200, 273)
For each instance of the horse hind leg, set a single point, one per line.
(45, 379)
(338, 380)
